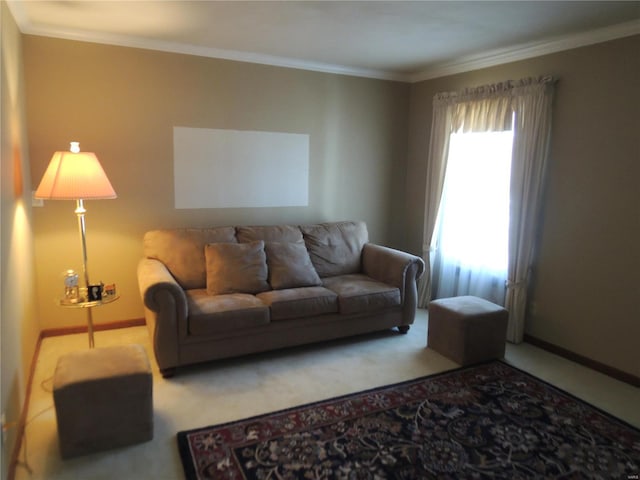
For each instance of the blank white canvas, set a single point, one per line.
(216, 168)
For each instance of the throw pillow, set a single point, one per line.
(290, 266)
(236, 268)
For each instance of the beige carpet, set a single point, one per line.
(233, 389)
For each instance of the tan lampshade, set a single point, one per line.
(74, 175)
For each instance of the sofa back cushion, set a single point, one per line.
(275, 233)
(236, 268)
(290, 266)
(336, 248)
(182, 251)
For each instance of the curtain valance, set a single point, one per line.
(487, 107)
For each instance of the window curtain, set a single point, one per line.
(438, 152)
(532, 101)
(491, 108)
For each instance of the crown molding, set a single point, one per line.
(461, 65)
(528, 50)
(27, 28)
(19, 14)
(223, 54)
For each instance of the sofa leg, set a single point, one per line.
(168, 372)
(403, 329)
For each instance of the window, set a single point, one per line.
(472, 229)
(468, 258)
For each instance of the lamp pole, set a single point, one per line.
(80, 211)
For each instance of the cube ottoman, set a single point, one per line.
(467, 329)
(103, 399)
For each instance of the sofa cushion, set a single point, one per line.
(335, 248)
(290, 266)
(236, 268)
(299, 302)
(359, 293)
(210, 315)
(270, 233)
(182, 251)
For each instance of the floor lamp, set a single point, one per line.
(76, 175)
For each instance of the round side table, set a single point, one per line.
(105, 300)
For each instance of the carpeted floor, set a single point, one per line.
(490, 421)
(225, 391)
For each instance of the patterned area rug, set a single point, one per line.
(487, 421)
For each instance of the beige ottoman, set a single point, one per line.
(467, 329)
(103, 399)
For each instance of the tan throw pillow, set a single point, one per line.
(290, 266)
(236, 268)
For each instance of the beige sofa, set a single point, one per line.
(212, 293)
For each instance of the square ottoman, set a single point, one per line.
(467, 329)
(103, 399)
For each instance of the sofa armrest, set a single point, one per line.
(396, 268)
(153, 278)
(166, 310)
(390, 266)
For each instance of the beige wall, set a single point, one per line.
(587, 283)
(19, 327)
(122, 103)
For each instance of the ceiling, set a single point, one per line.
(400, 40)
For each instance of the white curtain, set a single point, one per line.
(532, 100)
(484, 109)
(438, 152)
